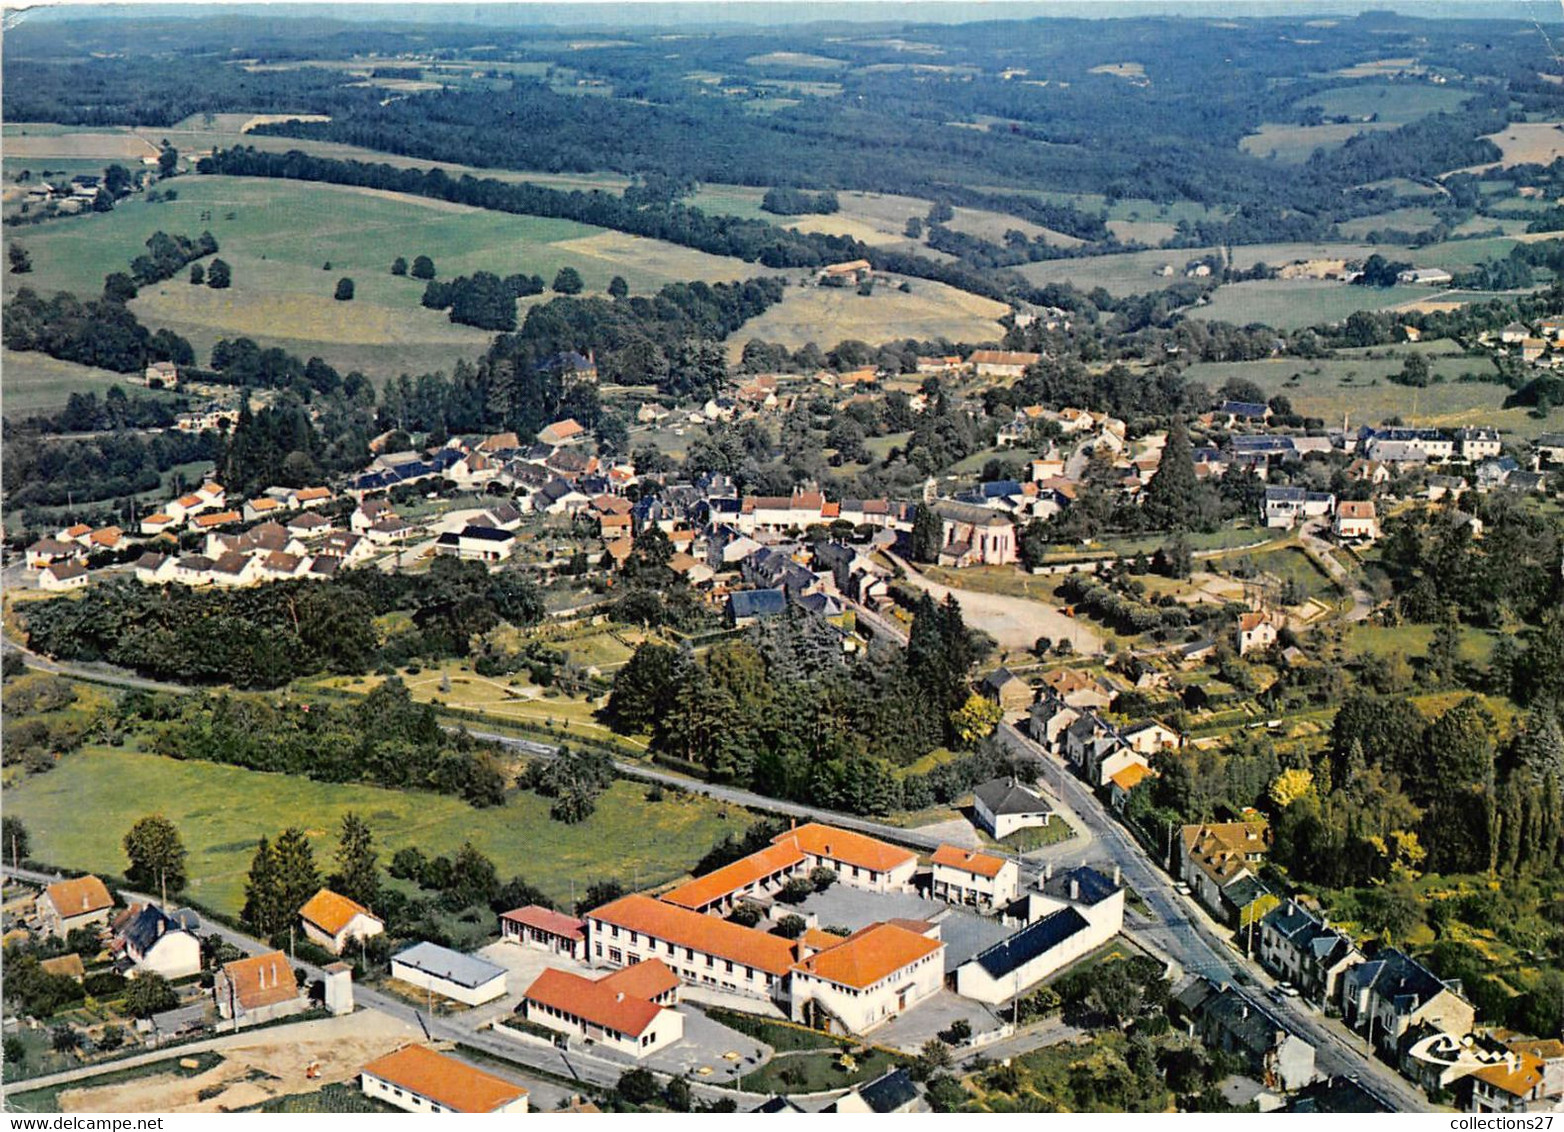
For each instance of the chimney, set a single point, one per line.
(620, 997)
(1116, 876)
(274, 973)
(1245, 1013)
(1048, 871)
(1075, 888)
(84, 902)
(162, 926)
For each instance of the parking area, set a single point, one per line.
(525, 964)
(964, 933)
(911, 1030)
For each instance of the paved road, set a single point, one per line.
(1321, 551)
(1183, 932)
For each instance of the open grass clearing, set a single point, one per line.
(1292, 144)
(35, 141)
(827, 315)
(37, 383)
(1289, 304)
(1128, 273)
(1397, 103)
(1411, 219)
(79, 812)
(278, 235)
(1529, 143)
(1359, 387)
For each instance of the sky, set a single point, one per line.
(640, 12)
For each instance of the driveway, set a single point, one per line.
(964, 933)
(1015, 622)
(911, 1030)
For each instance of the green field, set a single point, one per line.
(277, 235)
(1129, 273)
(79, 811)
(1323, 389)
(1396, 103)
(1288, 304)
(36, 382)
(1292, 144)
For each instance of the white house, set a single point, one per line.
(333, 921)
(629, 1011)
(982, 880)
(1076, 913)
(868, 978)
(154, 569)
(418, 1079)
(1256, 632)
(485, 544)
(1003, 805)
(158, 943)
(450, 974)
(1356, 519)
(61, 577)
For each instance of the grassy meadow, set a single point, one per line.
(79, 812)
(278, 235)
(35, 383)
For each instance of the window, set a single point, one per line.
(728, 965)
(615, 955)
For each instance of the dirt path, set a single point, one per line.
(1015, 622)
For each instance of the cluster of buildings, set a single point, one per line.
(845, 982)
(1540, 343)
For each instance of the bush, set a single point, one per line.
(344, 291)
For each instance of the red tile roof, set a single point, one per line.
(261, 980)
(869, 955)
(444, 1080)
(847, 847)
(331, 912)
(714, 886)
(648, 979)
(79, 896)
(685, 928)
(548, 920)
(602, 1006)
(978, 864)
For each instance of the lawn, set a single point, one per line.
(37, 383)
(1129, 273)
(1412, 641)
(79, 811)
(1289, 304)
(815, 1071)
(1292, 144)
(1359, 386)
(503, 698)
(279, 235)
(828, 315)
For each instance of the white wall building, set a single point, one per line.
(450, 974)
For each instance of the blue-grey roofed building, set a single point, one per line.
(451, 974)
(748, 606)
(1086, 913)
(1262, 446)
(149, 940)
(1249, 411)
(893, 1092)
(1387, 995)
(1234, 1023)
(1302, 949)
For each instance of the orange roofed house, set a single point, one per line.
(418, 1079)
(258, 989)
(868, 978)
(70, 904)
(630, 1010)
(982, 880)
(334, 921)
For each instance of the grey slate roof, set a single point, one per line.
(1090, 886)
(890, 1092)
(453, 966)
(1006, 796)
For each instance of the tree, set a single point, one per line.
(358, 874)
(15, 843)
(928, 534)
(678, 1095)
(21, 259)
(637, 1086)
(975, 719)
(790, 926)
(197, 274)
(219, 275)
(822, 877)
(617, 287)
(168, 162)
(423, 267)
(567, 281)
(795, 891)
(118, 287)
(149, 994)
(399, 265)
(15, 1051)
(1172, 494)
(344, 291)
(264, 909)
(297, 877)
(157, 856)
